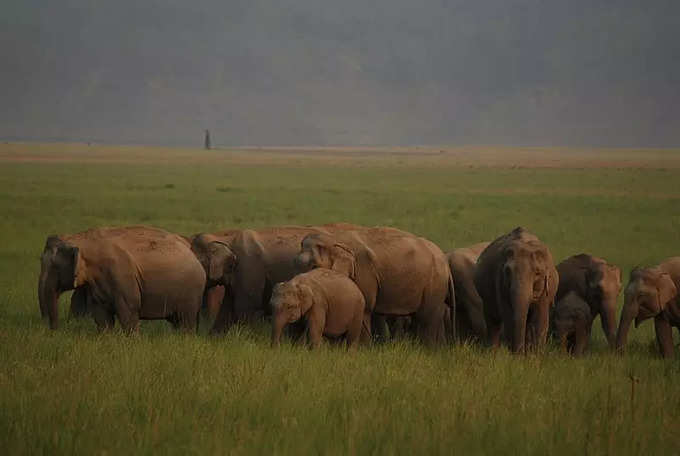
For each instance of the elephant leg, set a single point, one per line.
(564, 342)
(354, 331)
(173, 320)
(187, 321)
(431, 324)
(188, 316)
(463, 330)
(247, 308)
(366, 335)
(225, 316)
(212, 302)
(397, 326)
(103, 316)
(475, 324)
(379, 327)
(126, 311)
(664, 336)
(316, 322)
(494, 332)
(580, 341)
(302, 335)
(538, 322)
(296, 331)
(571, 341)
(79, 303)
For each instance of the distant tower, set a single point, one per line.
(207, 140)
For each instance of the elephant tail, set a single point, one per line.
(451, 302)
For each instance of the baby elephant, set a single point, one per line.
(571, 322)
(330, 303)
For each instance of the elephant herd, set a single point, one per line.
(355, 284)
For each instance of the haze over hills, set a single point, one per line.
(525, 72)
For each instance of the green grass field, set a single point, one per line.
(76, 391)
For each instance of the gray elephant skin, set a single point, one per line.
(571, 322)
(653, 292)
(469, 318)
(248, 263)
(595, 281)
(131, 273)
(517, 281)
(329, 302)
(398, 273)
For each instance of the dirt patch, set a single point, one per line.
(477, 156)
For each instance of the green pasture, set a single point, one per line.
(76, 391)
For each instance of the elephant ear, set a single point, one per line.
(306, 297)
(344, 260)
(67, 258)
(666, 290)
(221, 261)
(591, 278)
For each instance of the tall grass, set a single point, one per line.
(74, 390)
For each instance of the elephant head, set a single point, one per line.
(218, 260)
(323, 251)
(603, 285)
(525, 276)
(58, 273)
(289, 302)
(647, 294)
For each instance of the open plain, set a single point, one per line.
(76, 391)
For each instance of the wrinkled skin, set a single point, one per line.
(469, 318)
(517, 281)
(329, 302)
(131, 273)
(571, 322)
(597, 283)
(398, 273)
(248, 263)
(653, 293)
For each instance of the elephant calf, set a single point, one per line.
(571, 322)
(596, 282)
(330, 303)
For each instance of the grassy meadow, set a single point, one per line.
(76, 391)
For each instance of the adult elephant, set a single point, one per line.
(596, 282)
(132, 273)
(517, 281)
(397, 272)
(469, 318)
(248, 263)
(653, 292)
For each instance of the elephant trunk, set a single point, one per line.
(608, 320)
(520, 297)
(630, 311)
(302, 262)
(48, 296)
(280, 322)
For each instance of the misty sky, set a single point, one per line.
(522, 72)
